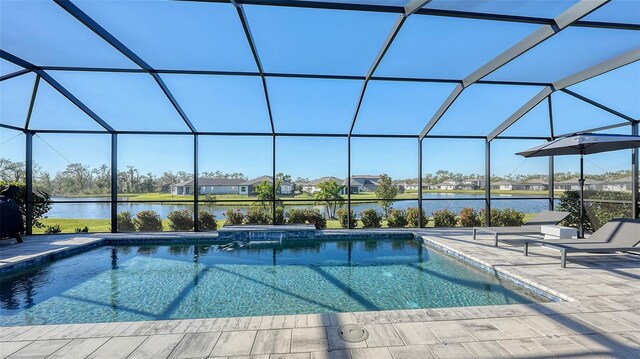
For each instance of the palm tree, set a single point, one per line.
(330, 196)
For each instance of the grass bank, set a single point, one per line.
(481, 191)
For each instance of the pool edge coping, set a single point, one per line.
(528, 284)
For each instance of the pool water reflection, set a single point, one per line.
(126, 283)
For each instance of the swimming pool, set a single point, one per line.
(195, 280)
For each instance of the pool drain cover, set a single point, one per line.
(352, 333)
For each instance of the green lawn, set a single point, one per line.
(68, 225)
(481, 191)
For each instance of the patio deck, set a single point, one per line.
(600, 317)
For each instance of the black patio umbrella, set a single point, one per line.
(583, 144)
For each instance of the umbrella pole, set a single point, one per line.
(581, 180)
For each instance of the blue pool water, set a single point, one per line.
(126, 283)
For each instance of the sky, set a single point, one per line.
(201, 36)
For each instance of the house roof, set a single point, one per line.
(574, 181)
(504, 182)
(619, 180)
(212, 182)
(366, 176)
(473, 180)
(261, 179)
(536, 183)
(448, 183)
(317, 181)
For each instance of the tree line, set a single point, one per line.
(77, 178)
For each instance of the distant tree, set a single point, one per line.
(75, 179)
(44, 182)
(184, 176)
(220, 174)
(284, 177)
(123, 181)
(265, 194)
(386, 192)
(148, 183)
(167, 180)
(101, 179)
(330, 196)
(297, 184)
(132, 179)
(11, 171)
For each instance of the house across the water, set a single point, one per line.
(314, 186)
(507, 185)
(219, 186)
(618, 185)
(358, 184)
(472, 184)
(448, 185)
(573, 185)
(208, 186)
(248, 188)
(538, 184)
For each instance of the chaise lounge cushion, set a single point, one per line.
(617, 235)
(533, 226)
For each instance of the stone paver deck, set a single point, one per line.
(600, 317)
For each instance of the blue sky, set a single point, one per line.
(200, 36)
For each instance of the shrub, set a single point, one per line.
(412, 217)
(444, 218)
(397, 218)
(495, 217)
(343, 219)
(511, 217)
(296, 216)
(469, 218)
(125, 222)
(386, 192)
(82, 230)
(52, 229)
(506, 217)
(313, 216)
(257, 215)
(148, 221)
(279, 214)
(207, 221)
(596, 213)
(41, 203)
(371, 218)
(234, 218)
(301, 216)
(180, 220)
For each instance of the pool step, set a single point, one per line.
(267, 233)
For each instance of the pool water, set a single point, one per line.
(127, 283)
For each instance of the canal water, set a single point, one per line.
(431, 202)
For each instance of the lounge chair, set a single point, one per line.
(617, 235)
(544, 218)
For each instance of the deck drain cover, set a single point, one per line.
(352, 333)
